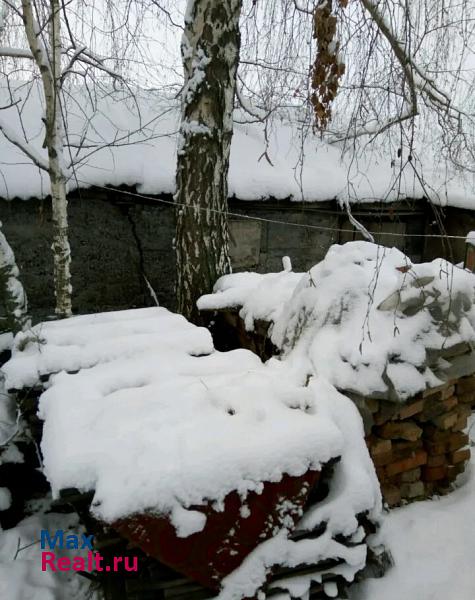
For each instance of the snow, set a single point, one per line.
(5, 498)
(183, 419)
(11, 454)
(147, 389)
(172, 405)
(83, 341)
(354, 489)
(470, 239)
(433, 545)
(365, 318)
(8, 419)
(14, 296)
(260, 296)
(180, 409)
(141, 145)
(21, 577)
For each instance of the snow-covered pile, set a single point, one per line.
(151, 418)
(365, 318)
(84, 341)
(258, 296)
(353, 490)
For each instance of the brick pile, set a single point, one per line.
(419, 448)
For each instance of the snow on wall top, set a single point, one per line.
(283, 167)
(365, 318)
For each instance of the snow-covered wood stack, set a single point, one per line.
(395, 337)
(227, 470)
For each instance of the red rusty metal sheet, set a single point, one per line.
(228, 536)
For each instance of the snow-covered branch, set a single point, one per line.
(26, 148)
(7, 52)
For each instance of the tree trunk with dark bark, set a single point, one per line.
(210, 50)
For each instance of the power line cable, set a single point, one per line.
(272, 221)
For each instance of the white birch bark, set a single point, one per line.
(210, 50)
(49, 64)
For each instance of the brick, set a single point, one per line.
(404, 449)
(405, 431)
(412, 490)
(382, 459)
(454, 471)
(446, 421)
(468, 398)
(386, 412)
(379, 446)
(437, 460)
(434, 434)
(391, 494)
(457, 440)
(435, 409)
(444, 486)
(459, 456)
(407, 464)
(434, 473)
(403, 445)
(464, 411)
(436, 390)
(436, 448)
(411, 476)
(460, 425)
(381, 474)
(409, 410)
(454, 441)
(466, 384)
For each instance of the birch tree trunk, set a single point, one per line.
(49, 63)
(210, 51)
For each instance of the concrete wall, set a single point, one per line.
(116, 243)
(113, 245)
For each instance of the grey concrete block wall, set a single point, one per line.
(117, 242)
(112, 244)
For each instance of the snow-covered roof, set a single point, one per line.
(366, 318)
(286, 161)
